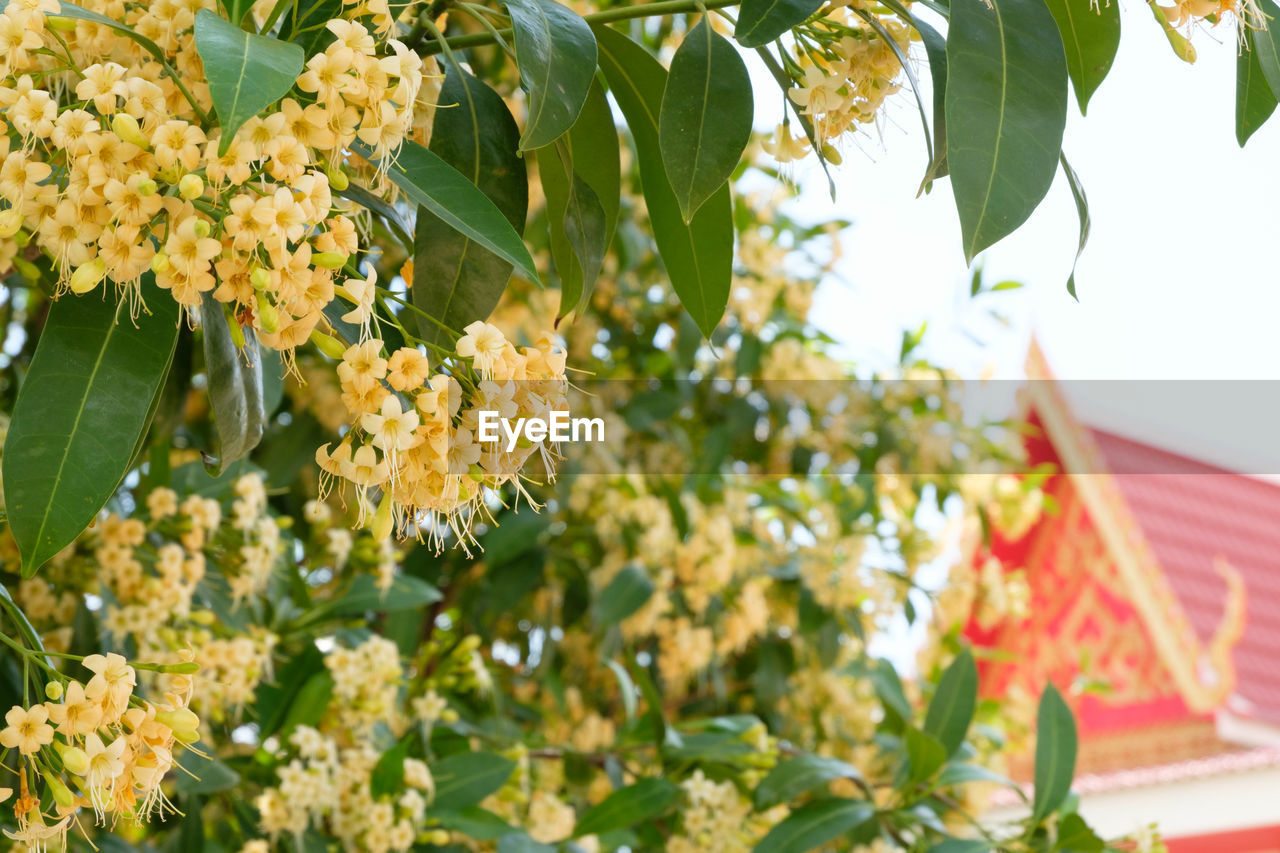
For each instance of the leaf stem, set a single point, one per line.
(622, 13)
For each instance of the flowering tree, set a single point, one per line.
(265, 576)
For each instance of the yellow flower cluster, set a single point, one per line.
(718, 818)
(415, 433)
(110, 164)
(845, 72)
(326, 784)
(96, 745)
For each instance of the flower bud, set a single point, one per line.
(337, 178)
(74, 759)
(202, 228)
(146, 186)
(180, 720)
(832, 156)
(327, 344)
(87, 275)
(159, 262)
(60, 24)
(191, 186)
(438, 837)
(189, 667)
(260, 279)
(329, 260)
(200, 617)
(61, 793)
(10, 222)
(53, 690)
(29, 271)
(21, 239)
(186, 736)
(126, 127)
(268, 317)
(382, 521)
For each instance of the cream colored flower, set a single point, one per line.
(27, 729)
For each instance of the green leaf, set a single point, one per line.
(521, 842)
(643, 801)
(925, 756)
(626, 687)
(813, 825)
(762, 21)
(705, 120)
(235, 387)
(951, 709)
(556, 53)
(1255, 100)
(457, 278)
(625, 594)
(1090, 35)
(884, 678)
(467, 778)
(310, 703)
(935, 48)
(476, 823)
(204, 775)
(1076, 836)
(1267, 44)
(592, 147)
(1006, 111)
(698, 256)
(960, 774)
(81, 413)
(387, 777)
(961, 845)
(798, 776)
(246, 72)
(273, 698)
(1082, 210)
(1055, 753)
(406, 593)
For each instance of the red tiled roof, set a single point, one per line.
(1193, 516)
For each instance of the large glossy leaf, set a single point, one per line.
(430, 182)
(556, 52)
(706, 115)
(1091, 35)
(951, 709)
(811, 826)
(800, 775)
(935, 47)
(455, 279)
(1055, 753)
(467, 778)
(1086, 222)
(246, 72)
(590, 152)
(1006, 111)
(762, 21)
(625, 594)
(642, 801)
(80, 415)
(1255, 101)
(235, 387)
(698, 256)
(1267, 44)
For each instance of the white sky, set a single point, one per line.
(1178, 281)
